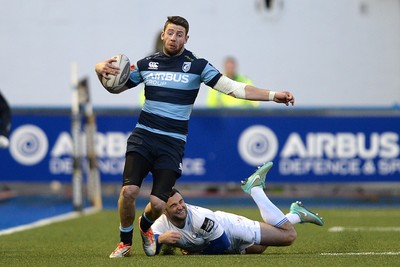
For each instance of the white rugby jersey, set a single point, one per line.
(200, 228)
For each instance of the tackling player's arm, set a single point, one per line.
(168, 238)
(163, 234)
(216, 246)
(250, 92)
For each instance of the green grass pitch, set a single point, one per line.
(363, 237)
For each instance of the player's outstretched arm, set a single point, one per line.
(254, 93)
(250, 92)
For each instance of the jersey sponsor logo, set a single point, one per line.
(208, 225)
(186, 66)
(153, 65)
(167, 76)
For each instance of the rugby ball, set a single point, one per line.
(116, 82)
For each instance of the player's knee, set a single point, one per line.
(130, 192)
(291, 236)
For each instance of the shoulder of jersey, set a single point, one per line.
(153, 56)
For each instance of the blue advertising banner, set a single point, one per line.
(220, 148)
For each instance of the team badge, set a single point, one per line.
(208, 225)
(186, 66)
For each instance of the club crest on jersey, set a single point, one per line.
(186, 66)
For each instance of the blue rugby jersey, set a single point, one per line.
(171, 87)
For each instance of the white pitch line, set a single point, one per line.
(360, 253)
(363, 229)
(48, 221)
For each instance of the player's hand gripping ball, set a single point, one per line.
(116, 82)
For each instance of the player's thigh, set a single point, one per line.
(277, 236)
(136, 169)
(163, 182)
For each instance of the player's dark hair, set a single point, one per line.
(174, 191)
(177, 20)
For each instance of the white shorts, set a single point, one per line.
(241, 231)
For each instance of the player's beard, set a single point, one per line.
(172, 50)
(179, 218)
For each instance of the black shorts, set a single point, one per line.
(136, 169)
(163, 152)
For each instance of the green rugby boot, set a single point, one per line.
(257, 178)
(305, 215)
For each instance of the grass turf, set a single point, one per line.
(88, 240)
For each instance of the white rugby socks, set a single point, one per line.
(293, 218)
(270, 213)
